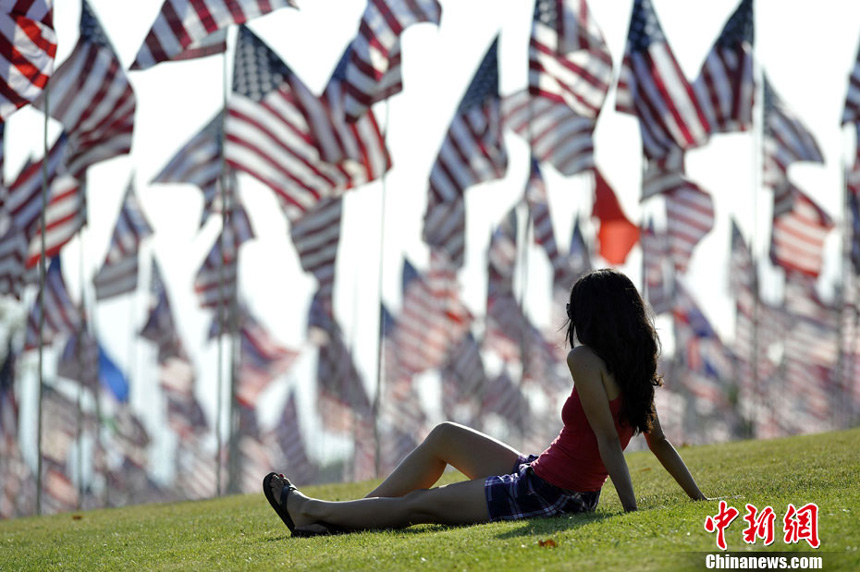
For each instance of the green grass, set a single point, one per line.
(667, 533)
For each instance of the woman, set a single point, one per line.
(613, 363)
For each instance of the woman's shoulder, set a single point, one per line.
(583, 358)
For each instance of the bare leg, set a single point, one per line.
(457, 503)
(471, 452)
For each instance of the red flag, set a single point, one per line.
(617, 235)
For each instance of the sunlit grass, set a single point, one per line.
(667, 533)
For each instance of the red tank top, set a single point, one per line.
(573, 461)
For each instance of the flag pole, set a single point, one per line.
(377, 398)
(845, 304)
(42, 305)
(756, 394)
(81, 370)
(220, 383)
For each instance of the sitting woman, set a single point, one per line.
(613, 364)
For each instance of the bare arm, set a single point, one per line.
(671, 461)
(586, 368)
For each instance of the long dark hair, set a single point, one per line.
(608, 315)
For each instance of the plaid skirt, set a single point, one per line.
(523, 494)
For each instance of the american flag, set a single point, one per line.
(502, 259)
(182, 25)
(758, 326)
(617, 235)
(130, 436)
(851, 113)
(316, 236)
(160, 327)
(652, 87)
(288, 434)
(538, 204)
(431, 318)
(657, 277)
(557, 135)
(65, 215)
(506, 400)
(854, 236)
(268, 130)
(198, 163)
(402, 420)
(340, 387)
(91, 96)
(664, 174)
(569, 61)
(24, 202)
(8, 401)
(463, 380)
(373, 72)
(118, 274)
(786, 140)
(261, 360)
(223, 262)
(472, 153)
(79, 360)
(62, 316)
(358, 149)
(689, 217)
(726, 87)
(798, 236)
(27, 52)
(701, 351)
(574, 265)
(13, 250)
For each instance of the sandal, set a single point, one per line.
(280, 504)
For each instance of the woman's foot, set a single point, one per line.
(294, 501)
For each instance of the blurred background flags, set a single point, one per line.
(261, 360)
(652, 87)
(851, 111)
(372, 72)
(198, 162)
(28, 45)
(726, 86)
(92, 97)
(194, 28)
(118, 274)
(268, 131)
(356, 148)
(786, 141)
(569, 61)
(316, 236)
(472, 152)
(62, 316)
(797, 241)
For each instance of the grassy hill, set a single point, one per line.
(667, 533)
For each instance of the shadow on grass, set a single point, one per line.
(548, 526)
(525, 527)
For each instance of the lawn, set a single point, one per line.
(667, 533)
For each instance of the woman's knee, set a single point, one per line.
(443, 434)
